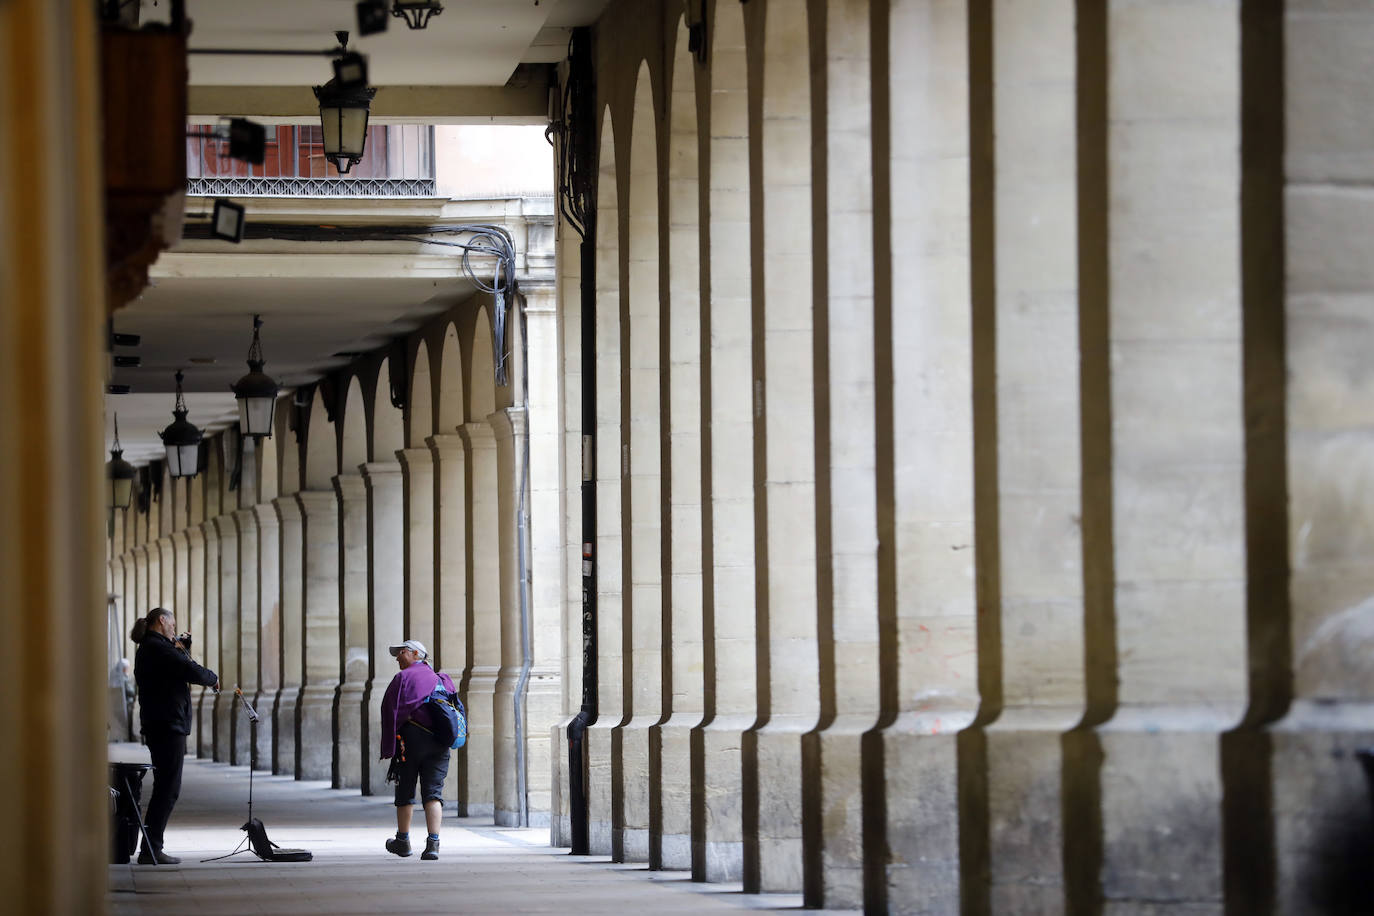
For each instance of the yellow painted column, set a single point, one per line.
(52, 325)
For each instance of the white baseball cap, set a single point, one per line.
(412, 644)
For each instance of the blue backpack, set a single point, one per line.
(448, 715)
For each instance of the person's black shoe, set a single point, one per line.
(398, 847)
(156, 858)
(431, 848)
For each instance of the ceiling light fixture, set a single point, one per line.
(345, 103)
(120, 474)
(256, 392)
(181, 438)
(416, 13)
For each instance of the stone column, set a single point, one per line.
(286, 725)
(849, 625)
(509, 430)
(269, 627)
(1165, 425)
(1302, 804)
(320, 645)
(450, 645)
(181, 578)
(353, 663)
(485, 615)
(167, 566)
(788, 641)
(543, 694)
(386, 601)
(417, 465)
(195, 622)
(227, 666)
(249, 559)
(209, 649)
(154, 576)
(942, 382)
(53, 324)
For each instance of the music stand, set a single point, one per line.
(255, 835)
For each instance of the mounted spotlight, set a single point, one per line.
(256, 392)
(120, 473)
(181, 439)
(416, 13)
(345, 103)
(227, 221)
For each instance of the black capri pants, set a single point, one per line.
(426, 760)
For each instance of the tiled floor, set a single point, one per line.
(481, 869)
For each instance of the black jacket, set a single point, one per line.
(163, 671)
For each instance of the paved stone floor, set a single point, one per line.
(481, 869)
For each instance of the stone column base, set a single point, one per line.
(674, 841)
(638, 787)
(316, 751)
(224, 725)
(777, 749)
(286, 733)
(203, 734)
(373, 776)
(348, 726)
(718, 852)
(603, 802)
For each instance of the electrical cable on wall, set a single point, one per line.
(485, 240)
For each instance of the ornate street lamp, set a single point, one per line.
(256, 392)
(345, 103)
(416, 13)
(181, 439)
(120, 474)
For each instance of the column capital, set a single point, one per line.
(445, 442)
(287, 509)
(246, 520)
(380, 471)
(315, 501)
(414, 458)
(210, 530)
(478, 435)
(181, 534)
(266, 514)
(508, 422)
(350, 487)
(224, 524)
(194, 534)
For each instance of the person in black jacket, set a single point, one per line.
(163, 668)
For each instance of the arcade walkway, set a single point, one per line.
(482, 869)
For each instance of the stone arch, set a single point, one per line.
(388, 423)
(450, 404)
(685, 702)
(420, 412)
(289, 449)
(643, 611)
(321, 448)
(481, 387)
(268, 473)
(610, 567)
(353, 429)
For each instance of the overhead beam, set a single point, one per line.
(397, 104)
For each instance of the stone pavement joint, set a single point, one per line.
(481, 868)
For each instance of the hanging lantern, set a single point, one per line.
(345, 103)
(416, 13)
(120, 474)
(181, 439)
(256, 392)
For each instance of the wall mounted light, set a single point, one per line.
(181, 438)
(345, 103)
(120, 474)
(256, 392)
(416, 13)
(227, 221)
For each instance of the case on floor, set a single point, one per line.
(268, 851)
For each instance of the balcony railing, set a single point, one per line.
(398, 162)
